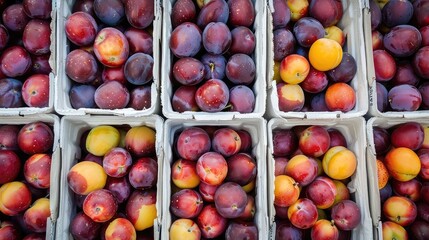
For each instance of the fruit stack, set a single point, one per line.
(111, 177)
(214, 180)
(110, 63)
(397, 49)
(30, 164)
(317, 176)
(213, 58)
(27, 49)
(398, 163)
(316, 63)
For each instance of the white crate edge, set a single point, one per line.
(63, 83)
(68, 149)
(54, 189)
(351, 23)
(354, 132)
(255, 127)
(259, 86)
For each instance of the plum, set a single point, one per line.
(375, 14)
(188, 71)
(183, 11)
(184, 99)
(40, 64)
(110, 12)
(241, 99)
(404, 97)
(37, 37)
(382, 101)
(281, 15)
(140, 98)
(139, 40)
(212, 96)
(230, 200)
(185, 40)
(81, 66)
(38, 8)
(344, 72)
(241, 69)
(213, 11)
(284, 44)
(82, 96)
(216, 38)
(140, 14)
(15, 61)
(241, 169)
(241, 13)
(138, 69)
(397, 12)
(243, 41)
(81, 28)
(14, 17)
(328, 12)
(214, 66)
(241, 230)
(10, 93)
(307, 30)
(111, 95)
(402, 40)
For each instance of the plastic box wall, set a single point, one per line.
(354, 132)
(72, 128)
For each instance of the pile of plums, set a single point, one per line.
(25, 41)
(114, 184)
(311, 199)
(400, 44)
(308, 77)
(110, 60)
(403, 179)
(25, 160)
(213, 44)
(213, 176)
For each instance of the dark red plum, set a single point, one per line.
(346, 215)
(381, 140)
(81, 66)
(37, 37)
(183, 11)
(15, 61)
(246, 140)
(120, 188)
(405, 75)
(286, 230)
(279, 168)
(82, 227)
(328, 12)
(315, 82)
(382, 97)
(184, 99)
(186, 203)
(404, 98)
(138, 69)
(307, 30)
(318, 103)
(216, 38)
(140, 14)
(111, 95)
(384, 65)
(10, 93)
(285, 142)
(241, 69)
(241, 99)
(337, 138)
(402, 40)
(424, 91)
(86, 6)
(185, 40)
(81, 28)
(241, 169)
(214, 66)
(139, 40)
(8, 137)
(409, 135)
(144, 173)
(38, 9)
(110, 12)
(230, 200)
(284, 44)
(192, 143)
(421, 12)
(207, 191)
(14, 17)
(40, 64)
(93, 158)
(212, 96)
(344, 72)
(420, 230)
(375, 14)
(397, 12)
(113, 74)
(188, 71)
(243, 41)
(241, 13)
(213, 11)
(4, 37)
(421, 62)
(424, 31)
(140, 98)
(385, 193)
(243, 230)
(281, 15)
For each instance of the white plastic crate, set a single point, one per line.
(72, 128)
(256, 128)
(259, 85)
(351, 24)
(63, 83)
(354, 132)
